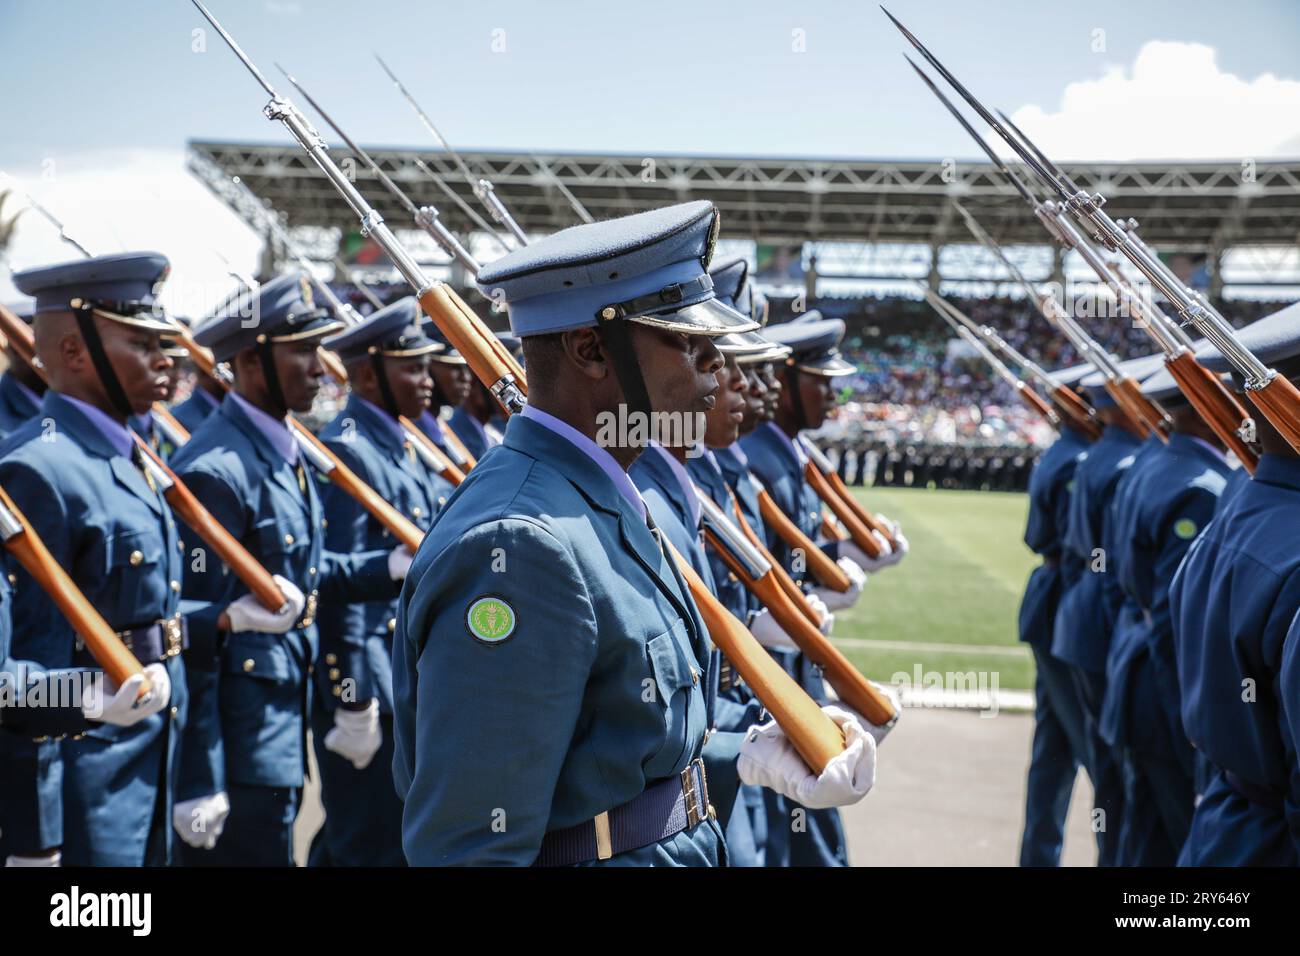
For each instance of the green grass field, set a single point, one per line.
(960, 587)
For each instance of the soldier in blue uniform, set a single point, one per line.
(387, 358)
(1233, 602)
(797, 835)
(1059, 745)
(245, 747)
(90, 780)
(1160, 505)
(205, 396)
(1081, 636)
(550, 664)
(146, 424)
(20, 387)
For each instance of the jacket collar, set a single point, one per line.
(377, 424)
(75, 422)
(1278, 470)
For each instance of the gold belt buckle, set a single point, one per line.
(172, 635)
(696, 791)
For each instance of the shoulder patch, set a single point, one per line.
(490, 620)
(1185, 528)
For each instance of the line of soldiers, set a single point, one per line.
(1164, 626)
(535, 685)
(951, 467)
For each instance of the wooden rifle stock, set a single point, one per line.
(1217, 406)
(791, 589)
(445, 466)
(453, 439)
(858, 530)
(827, 572)
(852, 688)
(814, 735)
(1079, 414)
(1037, 403)
(1145, 413)
(102, 641)
(1280, 402)
(831, 528)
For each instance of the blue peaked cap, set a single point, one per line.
(1273, 339)
(394, 330)
(658, 258)
(814, 343)
(125, 284)
(729, 283)
(284, 310)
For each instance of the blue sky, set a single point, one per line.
(100, 97)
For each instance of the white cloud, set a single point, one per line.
(1174, 103)
(133, 200)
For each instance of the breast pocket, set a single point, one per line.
(283, 546)
(134, 578)
(677, 680)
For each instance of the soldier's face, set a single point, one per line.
(301, 373)
(452, 381)
(142, 368)
(756, 393)
(411, 384)
(680, 371)
(815, 390)
(722, 423)
(772, 400)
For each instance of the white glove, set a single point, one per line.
(896, 532)
(123, 708)
(35, 861)
(839, 600)
(200, 821)
(768, 759)
(769, 633)
(356, 734)
(825, 618)
(399, 562)
(850, 549)
(248, 614)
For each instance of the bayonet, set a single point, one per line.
(51, 219)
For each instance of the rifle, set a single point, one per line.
(53, 221)
(861, 524)
(813, 734)
(101, 640)
(826, 571)
(1032, 399)
(1271, 393)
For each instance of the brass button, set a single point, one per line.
(442, 500)
(311, 570)
(311, 669)
(176, 585)
(249, 665)
(324, 523)
(136, 558)
(175, 710)
(338, 691)
(392, 624)
(335, 673)
(180, 545)
(416, 512)
(331, 658)
(695, 676)
(288, 539)
(13, 579)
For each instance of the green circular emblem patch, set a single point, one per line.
(1185, 528)
(490, 619)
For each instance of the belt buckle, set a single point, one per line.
(172, 635)
(696, 791)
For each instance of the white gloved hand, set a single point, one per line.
(839, 600)
(36, 861)
(248, 614)
(769, 633)
(826, 620)
(399, 562)
(850, 549)
(356, 734)
(900, 548)
(201, 820)
(125, 706)
(768, 759)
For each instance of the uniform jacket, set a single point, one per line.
(1049, 509)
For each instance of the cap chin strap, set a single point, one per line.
(617, 338)
(796, 397)
(385, 390)
(273, 390)
(103, 367)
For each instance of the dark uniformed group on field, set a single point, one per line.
(1163, 622)
(535, 685)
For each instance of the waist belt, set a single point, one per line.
(150, 643)
(1264, 796)
(661, 810)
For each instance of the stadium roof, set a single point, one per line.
(1190, 207)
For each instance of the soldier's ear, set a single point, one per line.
(585, 351)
